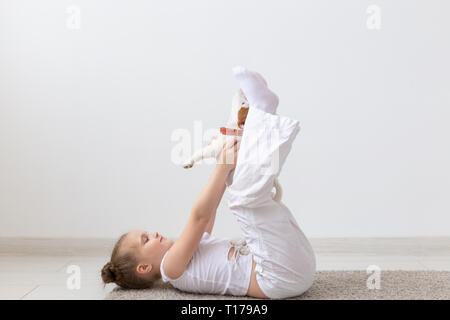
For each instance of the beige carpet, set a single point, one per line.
(334, 285)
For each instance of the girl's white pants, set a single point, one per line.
(285, 261)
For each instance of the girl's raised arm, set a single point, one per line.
(183, 249)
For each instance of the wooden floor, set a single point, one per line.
(38, 268)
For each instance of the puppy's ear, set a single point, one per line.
(242, 116)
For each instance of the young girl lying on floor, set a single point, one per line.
(275, 260)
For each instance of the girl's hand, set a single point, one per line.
(227, 158)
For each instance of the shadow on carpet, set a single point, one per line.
(328, 285)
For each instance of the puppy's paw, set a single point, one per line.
(188, 164)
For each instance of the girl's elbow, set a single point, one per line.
(199, 216)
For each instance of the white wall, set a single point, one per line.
(86, 115)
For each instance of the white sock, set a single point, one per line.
(256, 90)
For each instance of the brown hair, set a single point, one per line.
(121, 270)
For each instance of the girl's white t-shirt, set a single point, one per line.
(210, 271)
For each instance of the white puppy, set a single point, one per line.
(239, 110)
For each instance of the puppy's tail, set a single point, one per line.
(278, 191)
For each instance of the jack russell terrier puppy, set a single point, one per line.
(233, 129)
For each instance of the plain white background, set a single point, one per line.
(87, 115)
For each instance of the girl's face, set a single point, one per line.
(150, 247)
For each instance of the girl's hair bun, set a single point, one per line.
(109, 273)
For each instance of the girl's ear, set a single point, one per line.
(144, 268)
